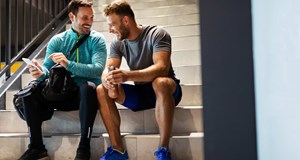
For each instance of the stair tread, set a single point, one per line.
(156, 135)
(127, 134)
(120, 107)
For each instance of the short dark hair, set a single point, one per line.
(75, 4)
(119, 7)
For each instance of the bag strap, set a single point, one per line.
(78, 44)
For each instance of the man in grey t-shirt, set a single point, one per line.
(147, 50)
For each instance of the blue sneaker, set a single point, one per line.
(113, 154)
(163, 154)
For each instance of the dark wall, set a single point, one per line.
(228, 87)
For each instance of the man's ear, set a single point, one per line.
(125, 20)
(71, 16)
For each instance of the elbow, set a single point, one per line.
(164, 71)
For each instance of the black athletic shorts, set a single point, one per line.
(141, 96)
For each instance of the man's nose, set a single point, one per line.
(90, 21)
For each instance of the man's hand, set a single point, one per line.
(35, 72)
(108, 85)
(117, 76)
(59, 58)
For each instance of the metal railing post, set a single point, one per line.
(16, 28)
(43, 11)
(49, 10)
(24, 24)
(55, 8)
(8, 36)
(0, 33)
(38, 16)
(31, 19)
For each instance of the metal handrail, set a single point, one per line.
(32, 42)
(35, 53)
(53, 21)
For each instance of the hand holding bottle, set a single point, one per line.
(113, 93)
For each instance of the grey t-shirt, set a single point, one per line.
(139, 52)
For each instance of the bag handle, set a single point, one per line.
(78, 44)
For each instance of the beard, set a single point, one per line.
(124, 33)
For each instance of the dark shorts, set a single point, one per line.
(141, 96)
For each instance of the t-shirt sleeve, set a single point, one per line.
(162, 41)
(115, 49)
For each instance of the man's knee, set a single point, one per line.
(163, 84)
(101, 90)
(87, 90)
(88, 86)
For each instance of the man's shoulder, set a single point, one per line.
(59, 38)
(154, 30)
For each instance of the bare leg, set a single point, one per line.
(164, 109)
(110, 117)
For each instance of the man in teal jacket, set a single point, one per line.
(86, 64)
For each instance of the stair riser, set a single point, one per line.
(156, 11)
(137, 5)
(191, 95)
(59, 147)
(186, 57)
(185, 120)
(190, 19)
(175, 32)
(10, 122)
(139, 148)
(179, 43)
(189, 75)
(181, 148)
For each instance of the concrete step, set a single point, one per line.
(156, 11)
(60, 147)
(183, 30)
(192, 94)
(174, 31)
(144, 4)
(187, 19)
(183, 147)
(186, 119)
(186, 57)
(178, 43)
(179, 59)
(187, 146)
(10, 122)
(189, 74)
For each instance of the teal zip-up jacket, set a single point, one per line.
(86, 63)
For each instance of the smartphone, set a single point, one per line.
(29, 62)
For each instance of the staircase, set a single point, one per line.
(139, 129)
